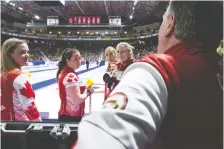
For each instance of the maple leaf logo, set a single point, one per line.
(75, 79)
(71, 76)
(32, 104)
(27, 91)
(69, 80)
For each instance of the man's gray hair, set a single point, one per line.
(198, 20)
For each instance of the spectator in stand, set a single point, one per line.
(72, 90)
(17, 95)
(169, 100)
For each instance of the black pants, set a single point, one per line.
(66, 118)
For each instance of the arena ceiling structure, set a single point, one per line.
(132, 13)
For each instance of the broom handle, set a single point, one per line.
(90, 103)
(105, 91)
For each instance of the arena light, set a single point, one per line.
(63, 2)
(135, 2)
(7, 1)
(50, 32)
(78, 32)
(20, 8)
(59, 32)
(131, 16)
(12, 4)
(37, 17)
(125, 32)
(69, 32)
(87, 32)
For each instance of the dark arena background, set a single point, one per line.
(50, 27)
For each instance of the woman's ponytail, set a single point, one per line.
(61, 64)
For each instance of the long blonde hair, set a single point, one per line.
(8, 47)
(112, 50)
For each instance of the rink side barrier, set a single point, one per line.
(45, 83)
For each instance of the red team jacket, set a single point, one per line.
(194, 118)
(17, 97)
(124, 65)
(68, 78)
(121, 67)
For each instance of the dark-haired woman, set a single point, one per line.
(72, 91)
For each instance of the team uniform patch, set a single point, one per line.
(116, 101)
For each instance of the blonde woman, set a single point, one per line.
(17, 95)
(125, 55)
(111, 57)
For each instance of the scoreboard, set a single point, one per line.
(52, 20)
(114, 20)
(84, 20)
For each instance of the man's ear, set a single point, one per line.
(170, 25)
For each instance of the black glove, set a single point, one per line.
(112, 82)
(106, 78)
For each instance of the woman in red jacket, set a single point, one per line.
(111, 57)
(125, 55)
(72, 90)
(17, 95)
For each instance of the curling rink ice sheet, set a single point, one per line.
(47, 98)
(46, 73)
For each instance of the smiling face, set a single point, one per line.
(109, 56)
(123, 53)
(20, 54)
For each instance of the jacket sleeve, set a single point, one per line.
(26, 97)
(129, 121)
(70, 80)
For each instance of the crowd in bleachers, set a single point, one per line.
(51, 50)
(7, 27)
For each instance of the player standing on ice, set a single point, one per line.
(87, 64)
(124, 58)
(111, 57)
(17, 95)
(72, 90)
(169, 100)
